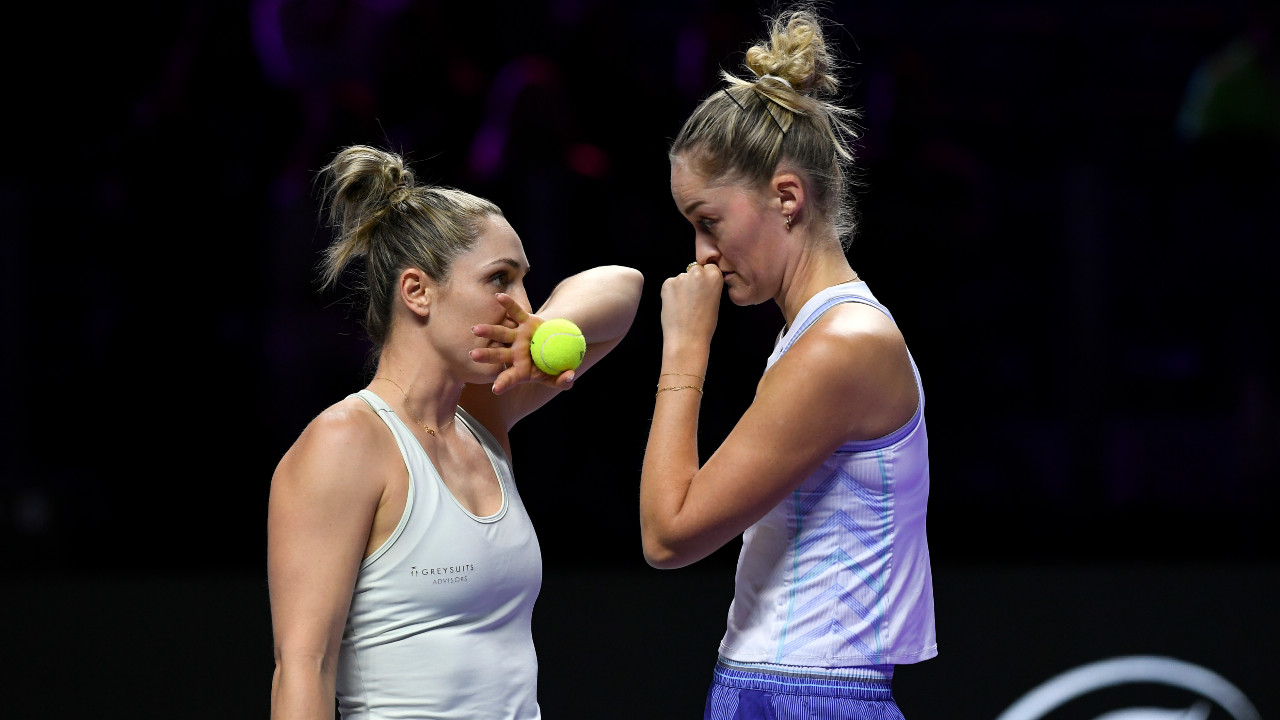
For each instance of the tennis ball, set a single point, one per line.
(557, 346)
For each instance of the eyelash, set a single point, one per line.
(706, 223)
(500, 278)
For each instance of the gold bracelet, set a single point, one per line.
(679, 387)
(700, 377)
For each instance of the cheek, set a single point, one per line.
(740, 251)
(492, 315)
(480, 309)
(495, 314)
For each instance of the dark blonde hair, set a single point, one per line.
(377, 212)
(743, 132)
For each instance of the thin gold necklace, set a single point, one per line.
(430, 432)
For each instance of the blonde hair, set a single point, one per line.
(743, 132)
(377, 212)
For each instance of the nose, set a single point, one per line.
(704, 250)
(520, 295)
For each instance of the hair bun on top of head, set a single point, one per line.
(368, 177)
(782, 80)
(795, 55)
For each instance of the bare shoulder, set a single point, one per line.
(325, 494)
(852, 366)
(346, 441)
(849, 337)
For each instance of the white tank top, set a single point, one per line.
(439, 625)
(837, 575)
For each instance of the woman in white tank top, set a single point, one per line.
(402, 567)
(825, 476)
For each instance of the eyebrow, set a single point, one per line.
(692, 206)
(512, 262)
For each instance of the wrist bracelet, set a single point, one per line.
(700, 377)
(679, 387)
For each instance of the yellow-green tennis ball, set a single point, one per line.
(557, 346)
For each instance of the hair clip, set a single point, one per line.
(767, 111)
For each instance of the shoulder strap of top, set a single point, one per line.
(821, 310)
(389, 417)
(372, 399)
(487, 439)
(391, 420)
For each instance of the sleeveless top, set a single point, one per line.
(439, 625)
(837, 575)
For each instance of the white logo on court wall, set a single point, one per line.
(1133, 669)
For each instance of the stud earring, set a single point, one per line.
(788, 222)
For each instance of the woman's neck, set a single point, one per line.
(816, 271)
(424, 387)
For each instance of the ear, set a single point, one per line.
(417, 291)
(788, 192)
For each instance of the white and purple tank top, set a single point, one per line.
(837, 575)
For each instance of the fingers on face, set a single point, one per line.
(497, 333)
(514, 310)
(696, 269)
(701, 273)
(491, 355)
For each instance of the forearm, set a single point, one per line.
(301, 693)
(671, 454)
(601, 301)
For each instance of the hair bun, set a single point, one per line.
(795, 54)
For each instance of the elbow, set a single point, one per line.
(663, 554)
(662, 561)
(631, 282)
(656, 555)
(628, 277)
(634, 278)
(628, 285)
(312, 662)
(627, 281)
(619, 289)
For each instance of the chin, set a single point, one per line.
(482, 374)
(490, 373)
(742, 298)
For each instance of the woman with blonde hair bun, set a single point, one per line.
(826, 474)
(401, 563)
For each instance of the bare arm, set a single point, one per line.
(323, 498)
(847, 378)
(601, 301)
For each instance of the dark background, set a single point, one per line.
(1077, 247)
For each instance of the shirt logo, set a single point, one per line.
(443, 574)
